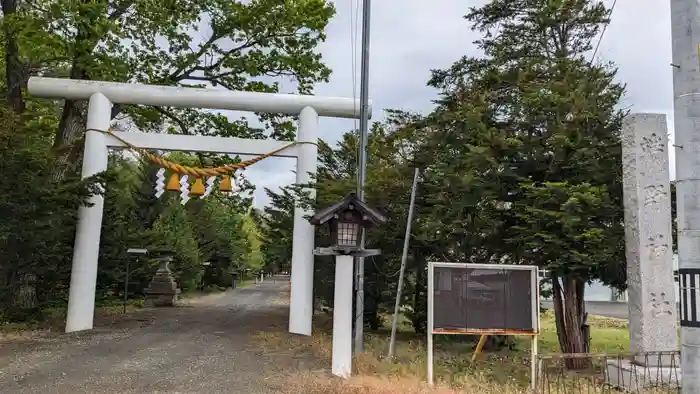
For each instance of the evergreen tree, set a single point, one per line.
(528, 148)
(36, 231)
(276, 229)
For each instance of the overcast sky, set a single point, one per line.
(410, 37)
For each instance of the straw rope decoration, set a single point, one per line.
(179, 170)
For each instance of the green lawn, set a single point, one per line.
(608, 335)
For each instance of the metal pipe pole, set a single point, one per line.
(126, 286)
(362, 166)
(685, 34)
(404, 256)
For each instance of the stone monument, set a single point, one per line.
(163, 290)
(651, 295)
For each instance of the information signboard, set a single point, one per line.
(482, 299)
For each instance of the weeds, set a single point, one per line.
(504, 371)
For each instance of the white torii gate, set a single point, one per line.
(102, 95)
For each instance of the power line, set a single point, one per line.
(354, 16)
(354, 21)
(602, 33)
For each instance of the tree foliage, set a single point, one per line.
(37, 229)
(276, 230)
(520, 163)
(227, 44)
(545, 161)
(237, 45)
(519, 160)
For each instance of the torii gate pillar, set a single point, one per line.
(301, 300)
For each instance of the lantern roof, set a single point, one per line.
(161, 253)
(370, 216)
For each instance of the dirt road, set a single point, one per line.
(201, 347)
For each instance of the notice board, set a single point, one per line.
(483, 299)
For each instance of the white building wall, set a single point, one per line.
(597, 291)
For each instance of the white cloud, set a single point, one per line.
(410, 37)
(270, 173)
(639, 41)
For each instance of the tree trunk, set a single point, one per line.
(420, 299)
(72, 125)
(558, 312)
(580, 293)
(15, 70)
(569, 310)
(70, 131)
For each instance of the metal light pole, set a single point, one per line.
(404, 257)
(685, 33)
(362, 166)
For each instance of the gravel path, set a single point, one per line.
(200, 347)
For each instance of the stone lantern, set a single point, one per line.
(163, 290)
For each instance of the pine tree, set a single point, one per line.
(528, 135)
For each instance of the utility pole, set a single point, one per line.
(362, 166)
(404, 257)
(685, 33)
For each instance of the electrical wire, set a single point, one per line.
(602, 33)
(379, 271)
(354, 20)
(354, 28)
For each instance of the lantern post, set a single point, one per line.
(346, 220)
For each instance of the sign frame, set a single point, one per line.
(533, 334)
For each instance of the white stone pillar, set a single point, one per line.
(647, 195)
(341, 364)
(83, 279)
(301, 303)
(650, 286)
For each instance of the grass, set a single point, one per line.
(53, 320)
(504, 371)
(609, 335)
